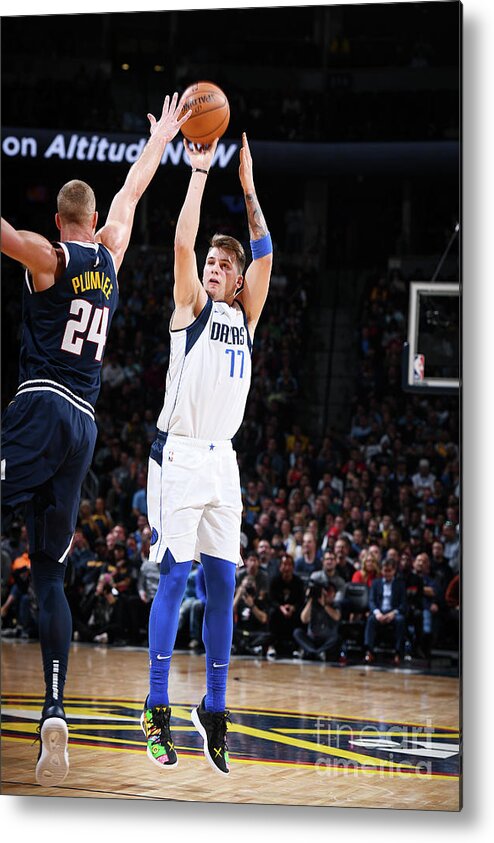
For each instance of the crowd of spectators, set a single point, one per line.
(359, 509)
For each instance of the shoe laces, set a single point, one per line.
(161, 724)
(219, 720)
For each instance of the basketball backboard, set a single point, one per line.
(431, 357)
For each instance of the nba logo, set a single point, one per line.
(418, 368)
(170, 456)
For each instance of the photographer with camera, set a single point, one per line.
(250, 632)
(322, 618)
(286, 594)
(102, 614)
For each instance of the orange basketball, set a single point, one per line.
(210, 112)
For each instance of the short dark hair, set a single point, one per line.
(229, 244)
(388, 562)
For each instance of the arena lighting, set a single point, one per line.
(125, 66)
(159, 68)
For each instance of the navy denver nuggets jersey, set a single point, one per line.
(66, 326)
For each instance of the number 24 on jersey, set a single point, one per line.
(90, 325)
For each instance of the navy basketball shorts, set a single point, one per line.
(194, 499)
(47, 447)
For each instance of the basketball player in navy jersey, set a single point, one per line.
(194, 500)
(48, 431)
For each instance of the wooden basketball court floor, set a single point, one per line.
(302, 733)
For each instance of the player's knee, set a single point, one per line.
(45, 567)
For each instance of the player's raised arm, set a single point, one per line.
(188, 291)
(116, 232)
(32, 250)
(256, 285)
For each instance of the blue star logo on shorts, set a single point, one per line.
(154, 536)
(211, 447)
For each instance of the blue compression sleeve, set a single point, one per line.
(163, 623)
(217, 627)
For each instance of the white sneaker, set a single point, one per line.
(53, 758)
(102, 638)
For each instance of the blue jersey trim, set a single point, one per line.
(156, 452)
(195, 330)
(249, 341)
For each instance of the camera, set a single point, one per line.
(313, 590)
(250, 590)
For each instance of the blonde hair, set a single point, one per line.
(224, 241)
(76, 201)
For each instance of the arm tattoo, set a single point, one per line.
(257, 223)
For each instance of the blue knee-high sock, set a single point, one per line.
(217, 630)
(163, 622)
(55, 624)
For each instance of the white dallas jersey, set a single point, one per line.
(208, 374)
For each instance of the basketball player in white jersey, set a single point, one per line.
(194, 499)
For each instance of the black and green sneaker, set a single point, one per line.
(155, 723)
(212, 726)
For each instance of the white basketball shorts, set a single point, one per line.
(194, 499)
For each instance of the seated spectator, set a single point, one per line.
(119, 569)
(430, 603)
(19, 612)
(387, 604)
(88, 574)
(252, 569)
(139, 606)
(344, 565)
(423, 481)
(87, 523)
(139, 498)
(410, 571)
(286, 597)
(252, 503)
(451, 545)
(80, 551)
(267, 559)
(250, 632)
(369, 571)
(440, 570)
(102, 614)
(102, 517)
(322, 618)
(142, 525)
(329, 572)
(298, 535)
(357, 543)
(192, 608)
(310, 560)
(287, 537)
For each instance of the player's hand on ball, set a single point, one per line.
(245, 170)
(170, 121)
(201, 157)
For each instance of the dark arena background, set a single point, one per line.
(353, 118)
